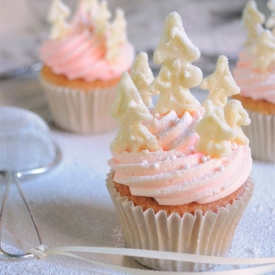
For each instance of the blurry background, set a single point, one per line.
(214, 26)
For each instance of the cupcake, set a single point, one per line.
(255, 75)
(180, 170)
(83, 62)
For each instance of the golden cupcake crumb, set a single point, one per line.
(261, 106)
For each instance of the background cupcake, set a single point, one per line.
(255, 74)
(83, 61)
(180, 170)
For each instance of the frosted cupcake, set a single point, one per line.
(180, 170)
(83, 62)
(255, 75)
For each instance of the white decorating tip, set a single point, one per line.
(204, 158)
(144, 161)
(156, 165)
(187, 166)
(234, 146)
(208, 157)
(145, 152)
(132, 137)
(221, 168)
(156, 115)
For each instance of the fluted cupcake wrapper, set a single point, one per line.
(79, 111)
(209, 234)
(261, 133)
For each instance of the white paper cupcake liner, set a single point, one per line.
(261, 133)
(210, 234)
(79, 111)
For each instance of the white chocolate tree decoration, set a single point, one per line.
(90, 6)
(117, 36)
(120, 25)
(220, 84)
(142, 76)
(264, 51)
(174, 43)
(92, 17)
(89, 9)
(215, 134)
(270, 22)
(57, 15)
(176, 53)
(102, 17)
(252, 20)
(129, 111)
(236, 116)
(221, 124)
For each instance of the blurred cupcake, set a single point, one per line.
(255, 75)
(180, 170)
(83, 62)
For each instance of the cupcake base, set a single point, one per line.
(261, 133)
(259, 106)
(79, 111)
(78, 106)
(207, 233)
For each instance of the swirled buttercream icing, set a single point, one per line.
(175, 178)
(92, 49)
(256, 84)
(187, 152)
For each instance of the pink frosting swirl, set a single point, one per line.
(82, 55)
(175, 174)
(175, 133)
(173, 178)
(254, 83)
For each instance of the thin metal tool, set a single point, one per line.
(26, 149)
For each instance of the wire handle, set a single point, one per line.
(15, 176)
(3, 206)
